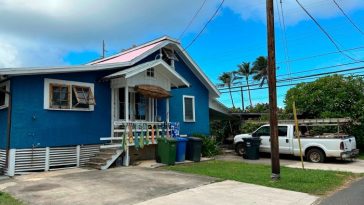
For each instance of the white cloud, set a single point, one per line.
(42, 32)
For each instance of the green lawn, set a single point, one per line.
(6, 199)
(309, 181)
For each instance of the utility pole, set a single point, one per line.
(242, 98)
(103, 49)
(273, 120)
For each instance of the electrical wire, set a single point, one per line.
(347, 17)
(326, 33)
(204, 27)
(193, 18)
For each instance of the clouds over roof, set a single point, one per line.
(42, 32)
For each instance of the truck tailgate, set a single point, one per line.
(349, 143)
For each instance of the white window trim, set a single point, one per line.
(7, 87)
(193, 108)
(48, 81)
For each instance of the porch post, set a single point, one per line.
(167, 110)
(126, 156)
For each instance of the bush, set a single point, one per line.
(249, 127)
(210, 147)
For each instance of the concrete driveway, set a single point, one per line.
(141, 186)
(126, 185)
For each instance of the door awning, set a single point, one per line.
(159, 65)
(152, 91)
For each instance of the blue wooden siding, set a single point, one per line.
(201, 94)
(3, 123)
(32, 125)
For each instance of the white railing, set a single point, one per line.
(136, 132)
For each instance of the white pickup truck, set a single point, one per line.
(314, 148)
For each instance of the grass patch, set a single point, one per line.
(7, 199)
(309, 181)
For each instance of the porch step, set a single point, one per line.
(111, 145)
(103, 159)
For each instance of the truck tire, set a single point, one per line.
(315, 155)
(239, 149)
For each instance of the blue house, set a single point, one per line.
(62, 116)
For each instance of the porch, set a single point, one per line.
(140, 110)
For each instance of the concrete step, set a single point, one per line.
(104, 155)
(99, 159)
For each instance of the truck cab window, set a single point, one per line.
(263, 131)
(282, 131)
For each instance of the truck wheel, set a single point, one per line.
(315, 155)
(239, 149)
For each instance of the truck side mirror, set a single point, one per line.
(254, 134)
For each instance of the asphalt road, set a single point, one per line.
(353, 195)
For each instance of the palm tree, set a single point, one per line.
(260, 69)
(227, 78)
(245, 70)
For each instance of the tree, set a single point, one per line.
(227, 78)
(245, 70)
(331, 97)
(260, 70)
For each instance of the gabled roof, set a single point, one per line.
(122, 59)
(176, 79)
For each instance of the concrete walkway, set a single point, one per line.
(233, 193)
(356, 166)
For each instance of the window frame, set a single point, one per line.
(193, 108)
(150, 72)
(7, 88)
(48, 82)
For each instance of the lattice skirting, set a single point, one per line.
(47, 158)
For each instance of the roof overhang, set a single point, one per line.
(159, 66)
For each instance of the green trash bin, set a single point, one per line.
(251, 146)
(166, 151)
(193, 149)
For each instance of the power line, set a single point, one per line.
(310, 70)
(302, 77)
(326, 33)
(347, 17)
(285, 45)
(198, 35)
(193, 18)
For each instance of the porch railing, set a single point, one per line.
(138, 133)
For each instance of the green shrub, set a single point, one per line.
(249, 127)
(210, 147)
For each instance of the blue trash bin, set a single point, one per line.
(181, 149)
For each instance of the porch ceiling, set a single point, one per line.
(159, 65)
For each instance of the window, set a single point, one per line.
(263, 131)
(150, 72)
(4, 98)
(68, 95)
(59, 96)
(189, 108)
(282, 131)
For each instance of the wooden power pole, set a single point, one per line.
(103, 49)
(273, 120)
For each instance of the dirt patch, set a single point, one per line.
(41, 187)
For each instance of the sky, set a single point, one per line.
(65, 32)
